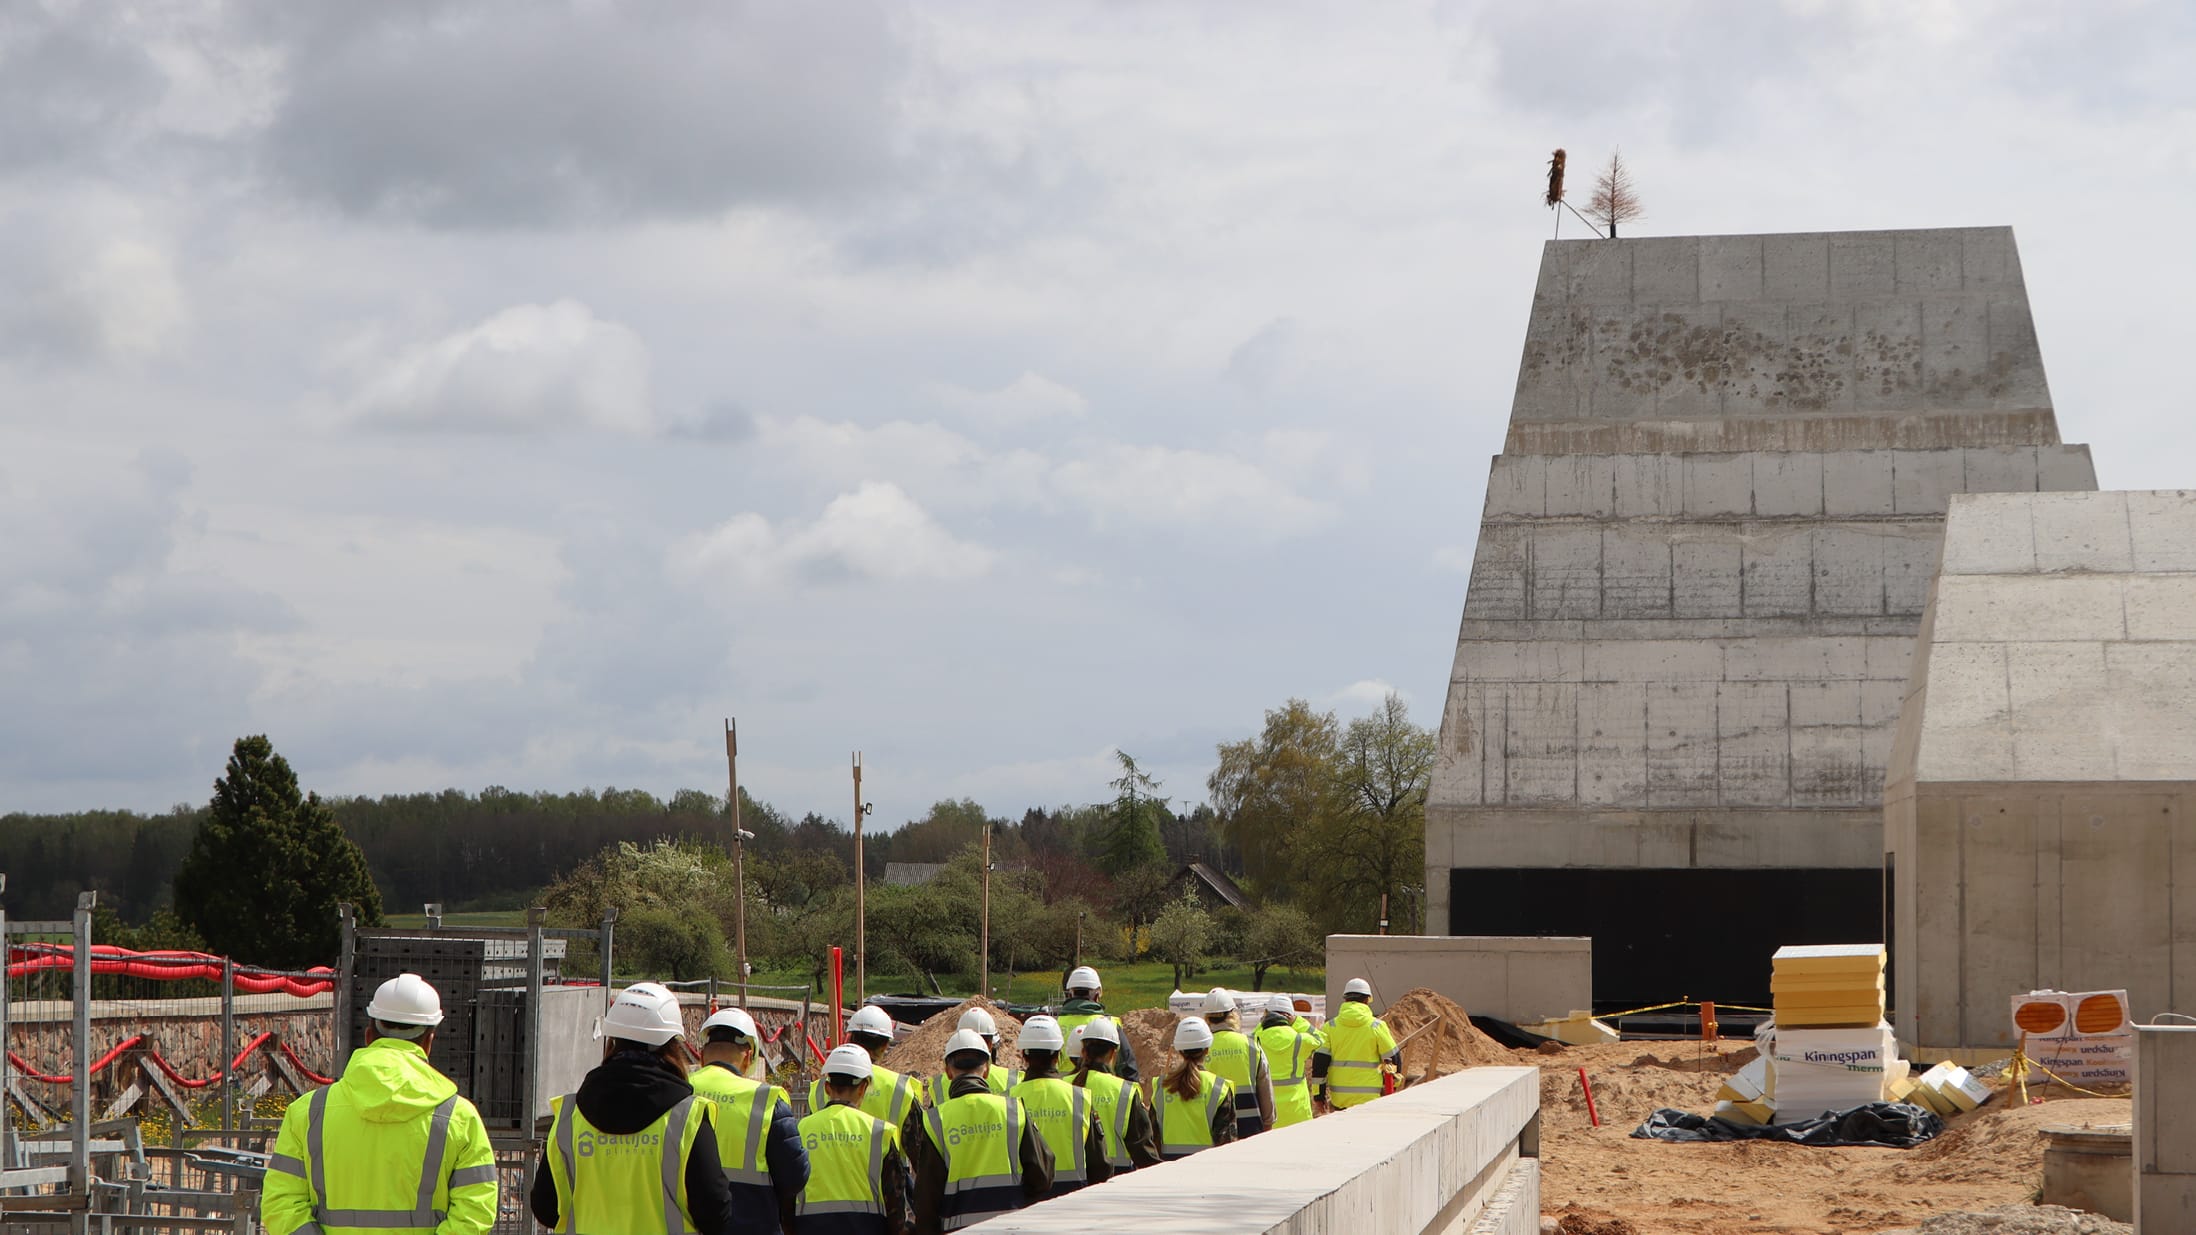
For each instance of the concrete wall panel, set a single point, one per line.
(1516, 978)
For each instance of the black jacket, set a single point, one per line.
(624, 1094)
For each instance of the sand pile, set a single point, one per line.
(2020, 1220)
(1451, 1044)
(923, 1052)
(1151, 1036)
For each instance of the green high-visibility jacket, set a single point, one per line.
(388, 1148)
(740, 1111)
(1185, 1127)
(1356, 1042)
(1062, 1114)
(1288, 1056)
(891, 1095)
(1000, 1080)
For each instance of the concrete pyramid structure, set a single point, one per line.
(1703, 558)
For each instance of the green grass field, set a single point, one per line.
(1128, 987)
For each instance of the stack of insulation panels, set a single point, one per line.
(1827, 986)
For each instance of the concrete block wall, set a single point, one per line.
(2040, 805)
(1454, 1155)
(1515, 978)
(1708, 544)
(2165, 1129)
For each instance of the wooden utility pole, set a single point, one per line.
(861, 882)
(983, 946)
(739, 851)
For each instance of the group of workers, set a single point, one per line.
(649, 1145)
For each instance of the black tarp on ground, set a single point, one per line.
(1508, 1034)
(1887, 1125)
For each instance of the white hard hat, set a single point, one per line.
(406, 999)
(966, 1040)
(1101, 1030)
(869, 1018)
(1075, 1040)
(849, 1061)
(1357, 986)
(1281, 1003)
(735, 1019)
(1083, 978)
(1217, 1001)
(979, 1020)
(644, 1012)
(1192, 1034)
(1040, 1033)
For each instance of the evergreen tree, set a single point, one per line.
(269, 865)
(1132, 837)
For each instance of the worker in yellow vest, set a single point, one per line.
(857, 1180)
(891, 1095)
(1237, 1059)
(1117, 1105)
(999, 1078)
(975, 1155)
(1347, 1067)
(1085, 1003)
(758, 1140)
(1196, 1110)
(1288, 1055)
(390, 1144)
(632, 1152)
(1061, 1113)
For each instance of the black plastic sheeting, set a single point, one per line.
(1886, 1125)
(1508, 1034)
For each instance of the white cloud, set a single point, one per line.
(1032, 397)
(936, 464)
(530, 367)
(1364, 695)
(877, 532)
(1165, 486)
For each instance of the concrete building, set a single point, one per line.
(2040, 815)
(1704, 554)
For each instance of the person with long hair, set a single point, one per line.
(1061, 1113)
(1117, 1105)
(1238, 1059)
(1196, 1110)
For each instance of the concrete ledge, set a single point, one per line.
(1514, 977)
(2165, 1129)
(1438, 1158)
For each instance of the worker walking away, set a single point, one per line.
(1288, 1052)
(1061, 1113)
(1085, 1003)
(997, 1076)
(632, 1152)
(857, 1178)
(1237, 1059)
(758, 1140)
(975, 1155)
(390, 1144)
(1117, 1106)
(1357, 1047)
(891, 1095)
(1196, 1110)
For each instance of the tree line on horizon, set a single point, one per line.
(1311, 815)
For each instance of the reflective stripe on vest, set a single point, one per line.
(740, 1115)
(887, 1102)
(980, 1138)
(1185, 1127)
(1234, 1058)
(846, 1153)
(1064, 1125)
(422, 1216)
(671, 1167)
(1112, 1100)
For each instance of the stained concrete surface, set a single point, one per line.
(2165, 1129)
(1706, 548)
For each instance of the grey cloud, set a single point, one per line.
(721, 421)
(1258, 360)
(543, 114)
(67, 87)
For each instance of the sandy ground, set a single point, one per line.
(1993, 1156)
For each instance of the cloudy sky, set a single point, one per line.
(504, 393)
